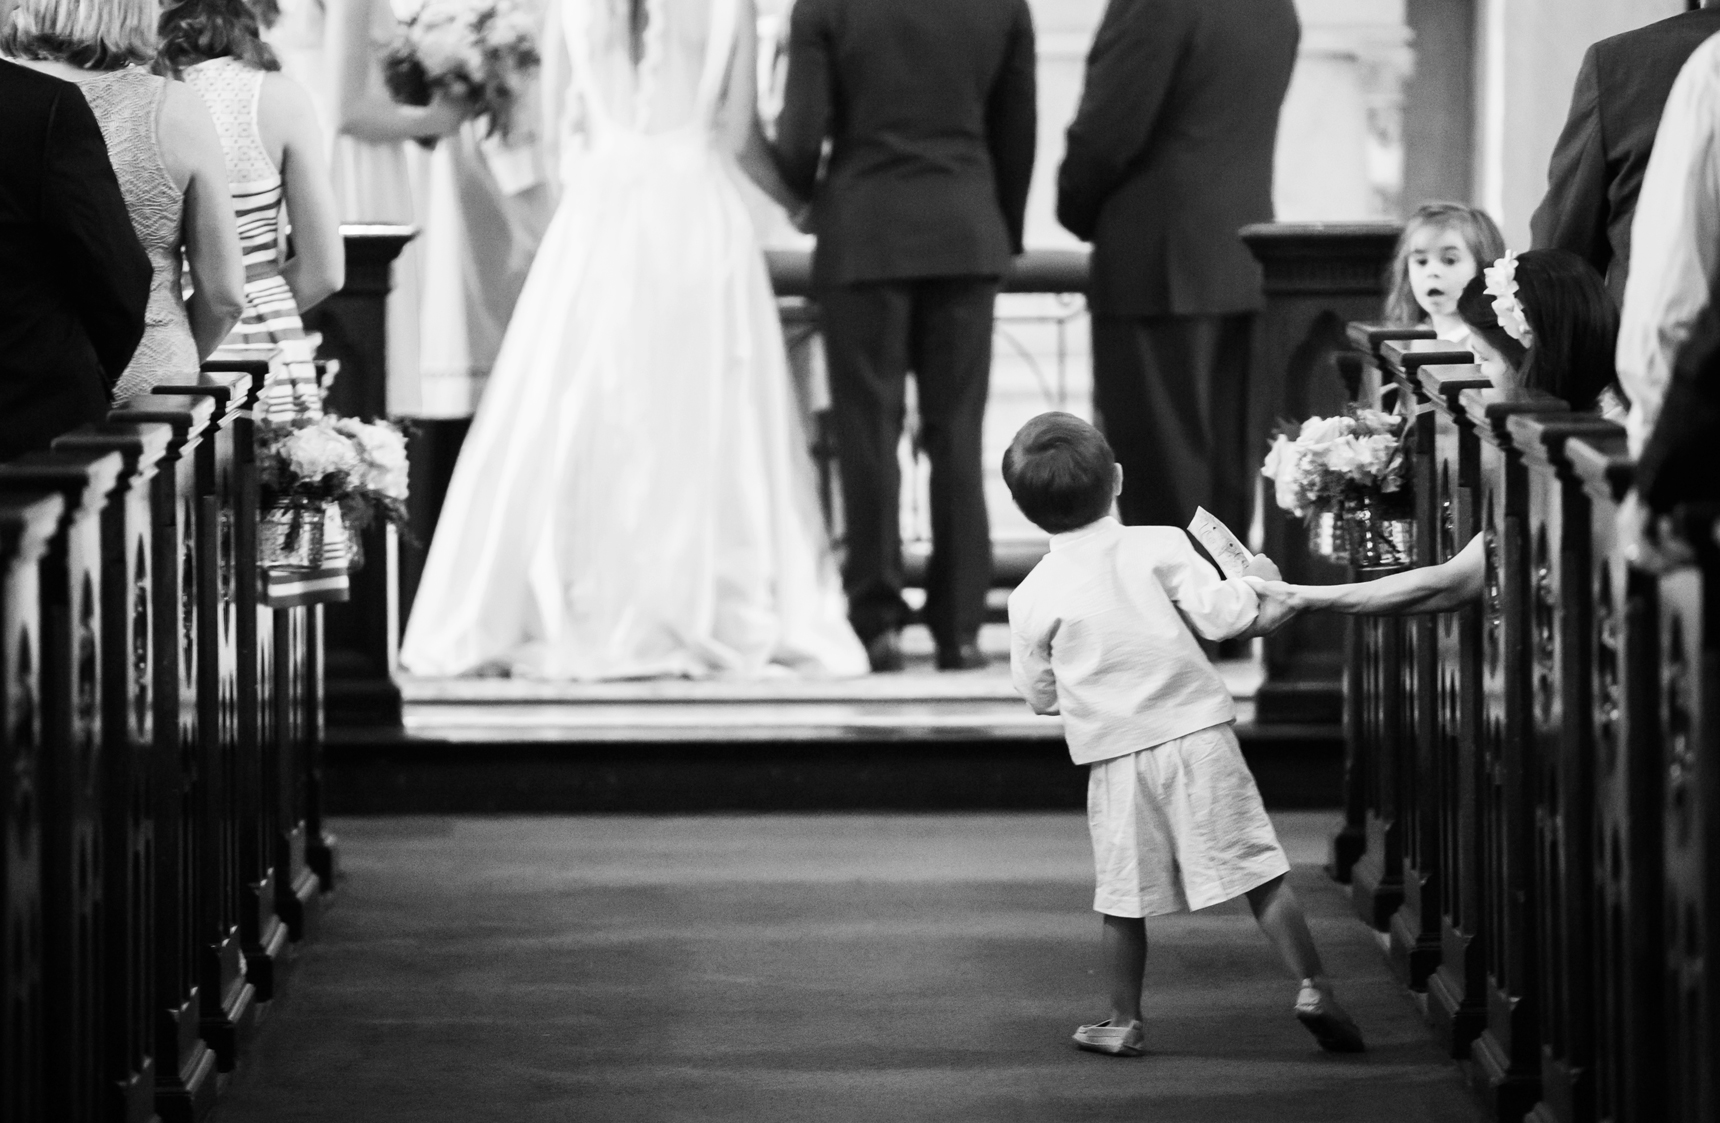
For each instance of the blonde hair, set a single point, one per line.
(88, 34)
(1478, 231)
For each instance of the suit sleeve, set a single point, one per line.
(1012, 125)
(1573, 214)
(808, 98)
(103, 263)
(1129, 73)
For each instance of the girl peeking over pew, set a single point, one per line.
(1443, 246)
(1541, 320)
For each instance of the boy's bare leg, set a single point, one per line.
(1280, 916)
(1124, 945)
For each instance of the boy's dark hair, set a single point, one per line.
(1573, 321)
(1060, 471)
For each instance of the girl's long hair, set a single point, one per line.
(194, 31)
(1478, 231)
(1572, 320)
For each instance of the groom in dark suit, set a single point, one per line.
(928, 106)
(1170, 153)
(74, 281)
(1596, 171)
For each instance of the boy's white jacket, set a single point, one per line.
(1100, 632)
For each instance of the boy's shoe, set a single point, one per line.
(1116, 1041)
(1335, 1030)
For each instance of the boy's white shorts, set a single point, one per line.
(1178, 826)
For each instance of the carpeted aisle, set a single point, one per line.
(830, 968)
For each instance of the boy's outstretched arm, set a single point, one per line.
(1215, 608)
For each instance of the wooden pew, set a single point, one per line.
(1559, 703)
(262, 934)
(184, 1064)
(128, 758)
(1507, 1055)
(27, 525)
(74, 1025)
(1689, 765)
(1626, 921)
(1456, 990)
(228, 998)
(1415, 928)
(1387, 660)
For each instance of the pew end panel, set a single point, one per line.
(229, 999)
(28, 523)
(1627, 923)
(1689, 735)
(1456, 989)
(1506, 1057)
(1558, 608)
(74, 976)
(184, 1064)
(128, 753)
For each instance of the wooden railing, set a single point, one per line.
(158, 738)
(1533, 806)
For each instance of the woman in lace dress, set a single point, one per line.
(275, 159)
(636, 497)
(170, 168)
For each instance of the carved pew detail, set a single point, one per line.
(184, 1065)
(1559, 701)
(128, 756)
(1456, 1003)
(1689, 765)
(228, 998)
(27, 523)
(1629, 1083)
(73, 956)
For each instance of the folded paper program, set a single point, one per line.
(1226, 548)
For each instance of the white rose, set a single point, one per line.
(1377, 421)
(1319, 430)
(316, 451)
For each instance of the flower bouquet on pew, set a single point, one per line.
(323, 480)
(481, 52)
(1346, 478)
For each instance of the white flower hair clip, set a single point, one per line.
(1502, 287)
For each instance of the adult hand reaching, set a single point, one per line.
(1278, 604)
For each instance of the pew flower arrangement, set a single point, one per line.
(482, 52)
(1345, 476)
(313, 466)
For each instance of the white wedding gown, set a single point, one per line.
(635, 497)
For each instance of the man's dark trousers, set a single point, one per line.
(1170, 392)
(940, 329)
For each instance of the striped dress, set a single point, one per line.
(230, 89)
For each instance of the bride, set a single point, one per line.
(635, 498)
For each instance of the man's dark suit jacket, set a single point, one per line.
(74, 281)
(929, 108)
(1170, 152)
(1596, 170)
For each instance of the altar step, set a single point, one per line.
(921, 739)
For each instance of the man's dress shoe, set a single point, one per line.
(963, 657)
(884, 652)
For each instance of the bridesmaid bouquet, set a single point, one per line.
(1346, 477)
(307, 467)
(482, 52)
